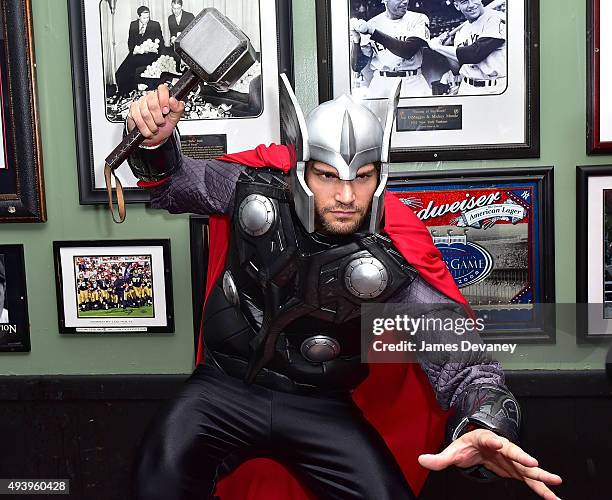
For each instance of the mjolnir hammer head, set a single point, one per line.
(217, 52)
(215, 49)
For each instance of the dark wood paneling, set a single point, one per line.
(88, 428)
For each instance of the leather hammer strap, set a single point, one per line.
(108, 172)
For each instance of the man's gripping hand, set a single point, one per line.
(496, 453)
(441, 40)
(156, 115)
(361, 26)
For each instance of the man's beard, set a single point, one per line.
(339, 228)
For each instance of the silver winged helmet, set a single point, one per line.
(343, 134)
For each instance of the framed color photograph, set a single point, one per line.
(599, 78)
(114, 286)
(21, 181)
(495, 231)
(14, 322)
(198, 237)
(124, 48)
(594, 253)
(469, 71)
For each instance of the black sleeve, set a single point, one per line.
(131, 36)
(155, 164)
(479, 50)
(358, 59)
(158, 34)
(405, 49)
(190, 186)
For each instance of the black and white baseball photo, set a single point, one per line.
(436, 47)
(138, 37)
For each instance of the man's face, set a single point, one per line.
(471, 9)
(340, 206)
(397, 8)
(144, 17)
(177, 8)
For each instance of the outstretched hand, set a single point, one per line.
(497, 454)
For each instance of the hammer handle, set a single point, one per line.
(130, 142)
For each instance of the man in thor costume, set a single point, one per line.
(280, 404)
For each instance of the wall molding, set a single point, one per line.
(528, 383)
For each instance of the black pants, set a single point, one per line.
(217, 422)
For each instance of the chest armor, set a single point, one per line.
(301, 293)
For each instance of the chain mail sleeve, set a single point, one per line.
(202, 187)
(470, 382)
(449, 373)
(181, 184)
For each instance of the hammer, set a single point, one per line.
(217, 52)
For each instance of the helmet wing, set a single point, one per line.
(293, 125)
(389, 117)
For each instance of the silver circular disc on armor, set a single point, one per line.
(366, 277)
(229, 289)
(256, 214)
(320, 348)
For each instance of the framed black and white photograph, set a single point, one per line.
(114, 286)
(124, 48)
(495, 231)
(198, 242)
(599, 78)
(594, 253)
(22, 194)
(469, 71)
(14, 321)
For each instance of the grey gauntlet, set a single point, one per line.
(157, 163)
(485, 406)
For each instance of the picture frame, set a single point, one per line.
(495, 231)
(449, 123)
(14, 318)
(198, 243)
(593, 280)
(599, 79)
(107, 76)
(114, 286)
(22, 193)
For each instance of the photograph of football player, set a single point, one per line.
(118, 286)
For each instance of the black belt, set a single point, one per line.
(236, 367)
(409, 72)
(480, 83)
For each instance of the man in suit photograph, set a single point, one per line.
(178, 20)
(145, 40)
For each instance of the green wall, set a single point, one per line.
(563, 91)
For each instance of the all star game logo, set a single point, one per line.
(468, 262)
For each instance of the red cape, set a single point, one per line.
(396, 398)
